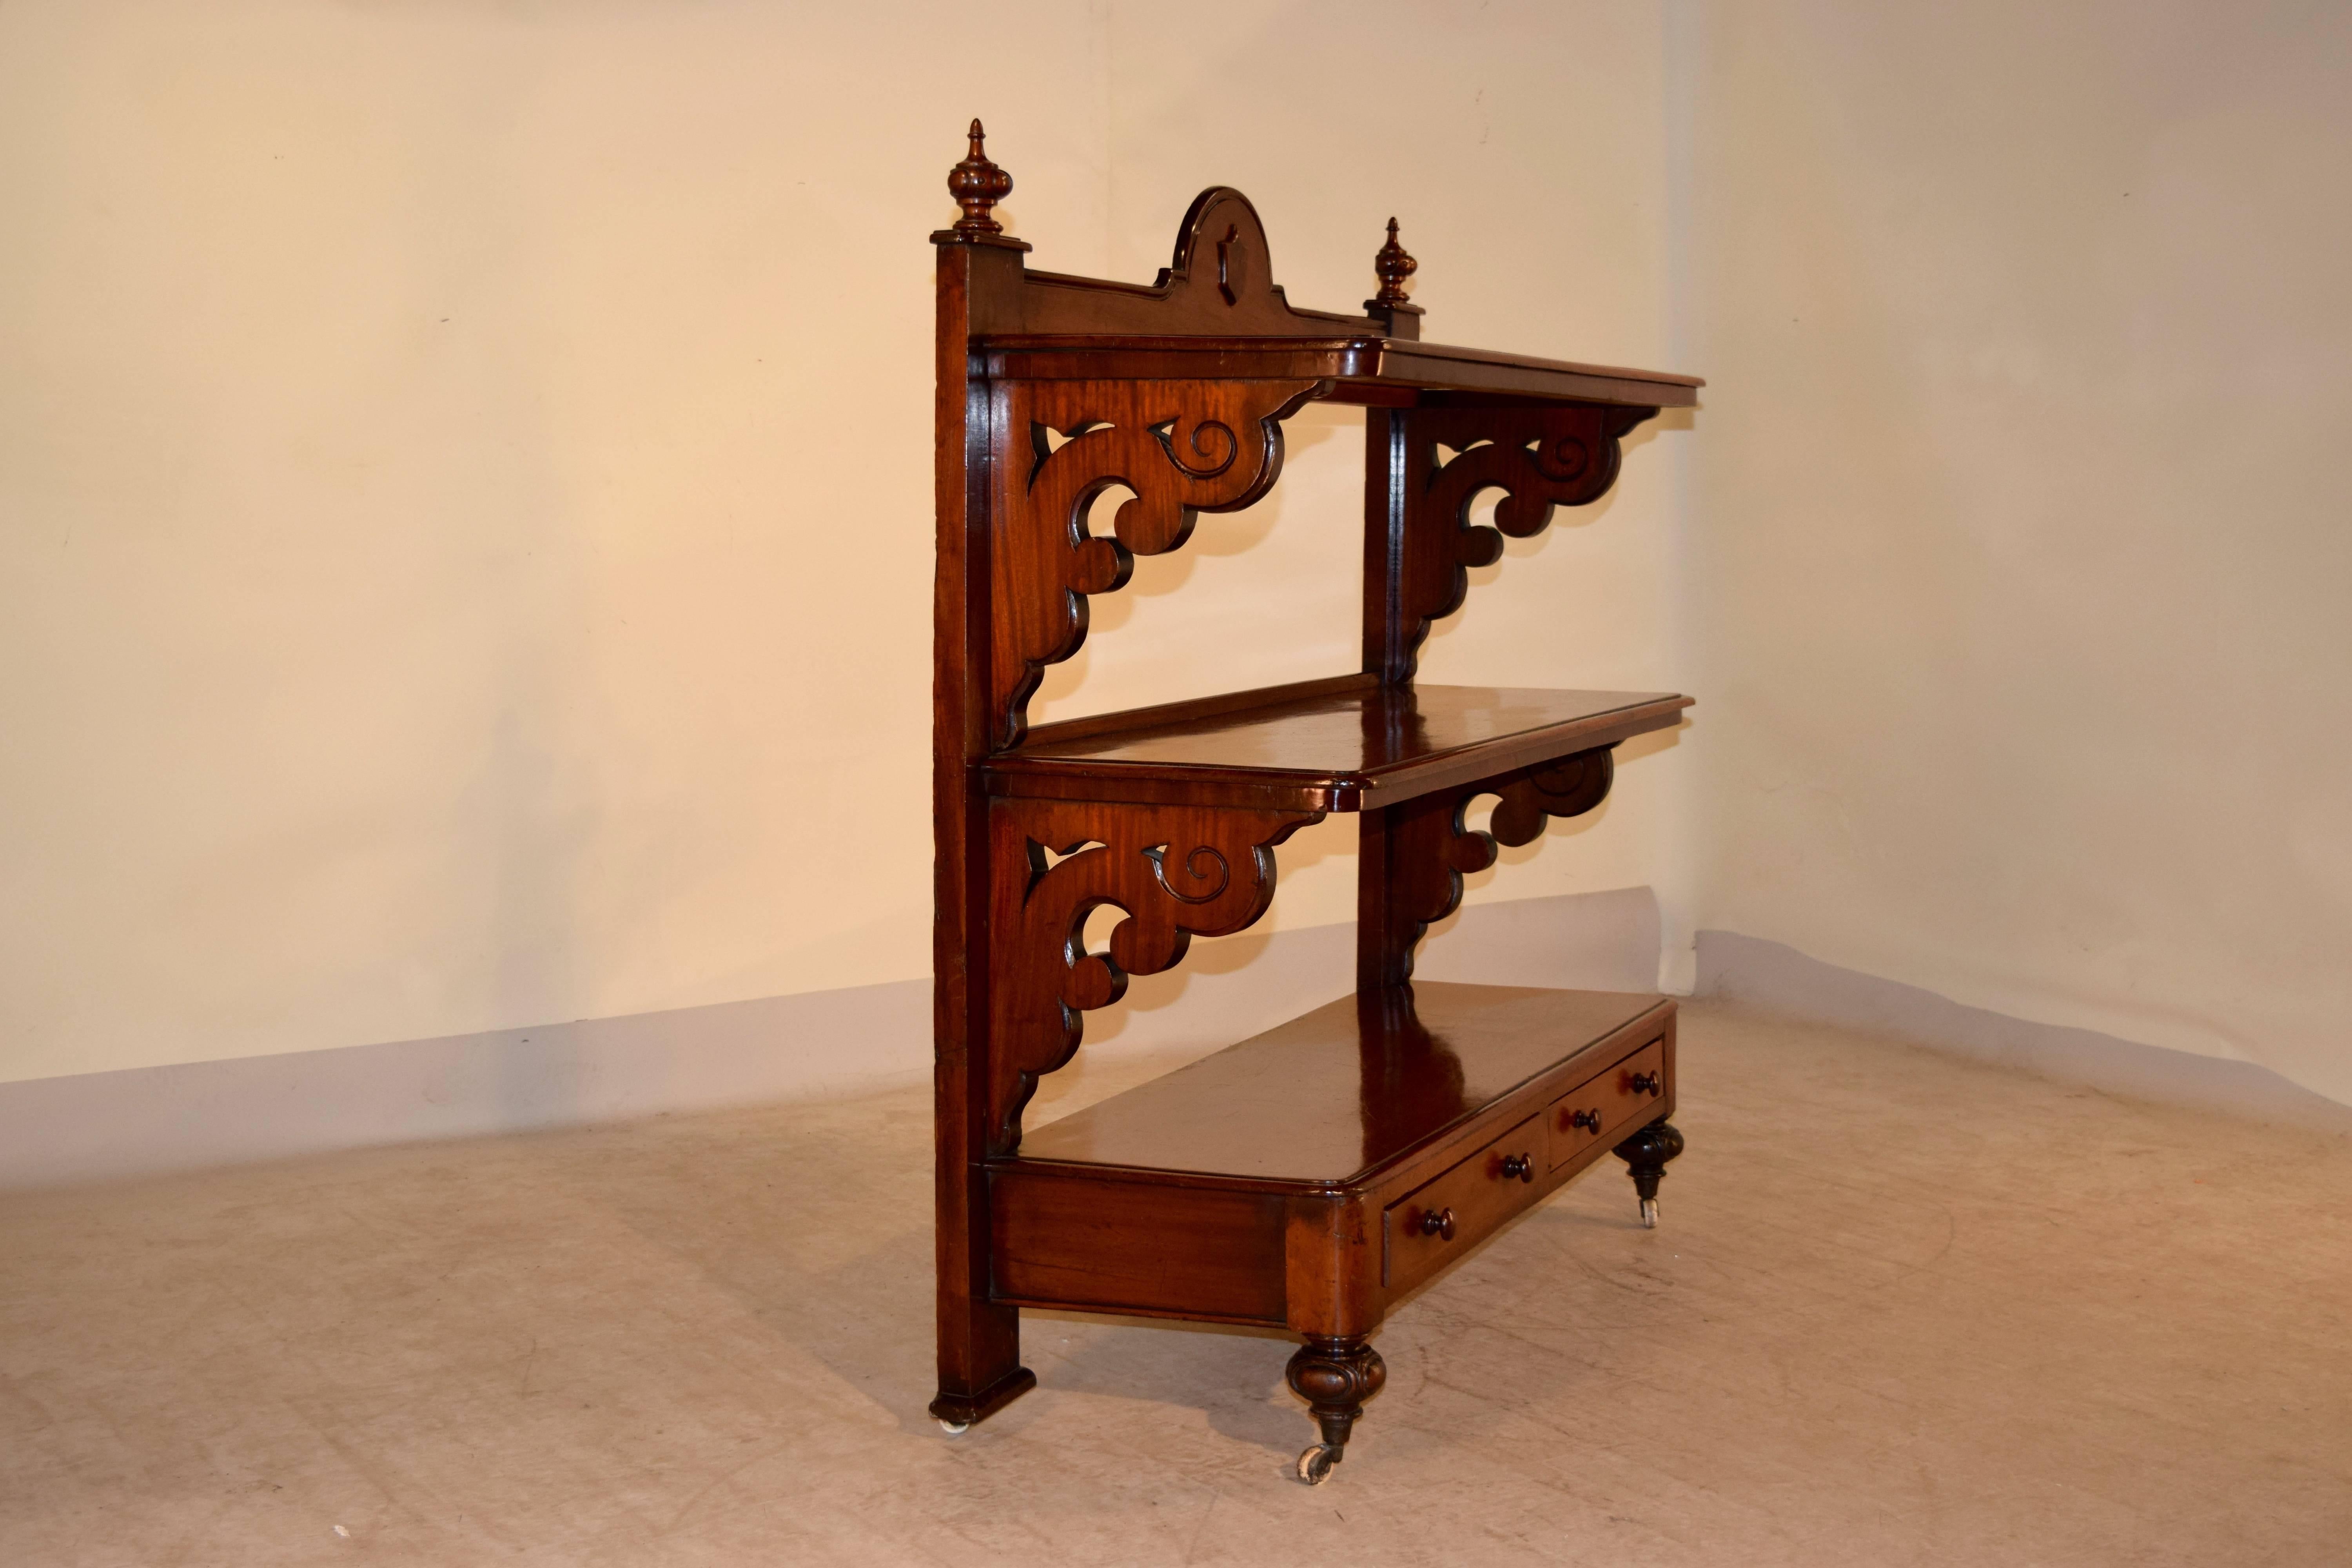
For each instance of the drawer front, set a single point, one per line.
(1471, 1200)
(1603, 1110)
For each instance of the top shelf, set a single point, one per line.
(1215, 313)
(1382, 371)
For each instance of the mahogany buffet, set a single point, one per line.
(1308, 1179)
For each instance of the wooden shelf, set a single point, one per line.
(1335, 1096)
(1399, 373)
(1350, 743)
(1310, 1178)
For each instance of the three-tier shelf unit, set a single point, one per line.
(1309, 1178)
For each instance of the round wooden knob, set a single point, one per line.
(1438, 1223)
(1522, 1166)
(1644, 1083)
(1591, 1119)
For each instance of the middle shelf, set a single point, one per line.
(1345, 743)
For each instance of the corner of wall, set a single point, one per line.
(1772, 978)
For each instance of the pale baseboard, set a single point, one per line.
(148, 1120)
(1770, 977)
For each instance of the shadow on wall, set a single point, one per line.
(1772, 978)
(811, 1044)
(1060, 692)
(1235, 987)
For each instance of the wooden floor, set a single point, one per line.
(1900, 1309)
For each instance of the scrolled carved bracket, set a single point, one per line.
(1539, 457)
(1429, 848)
(1569, 787)
(1182, 447)
(1178, 872)
(1426, 847)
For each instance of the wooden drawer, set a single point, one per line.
(1476, 1195)
(1604, 1108)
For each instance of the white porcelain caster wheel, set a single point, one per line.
(955, 1428)
(1649, 1214)
(1315, 1465)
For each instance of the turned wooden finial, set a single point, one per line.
(977, 185)
(1394, 267)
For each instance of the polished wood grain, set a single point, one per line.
(1410, 861)
(979, 1365)
(1599, 1112)
(978, 185)
(1216, 304)
(1335, 1375)
(1379, 370)
(1396, 314)
(1045, 740)
(1212, 1255)
(1527, 800)
(1411, 857)
(1444, 461)
(1219, 283)
(1177, 448)
(1393, 263)
(1255, 1187)
(1333, 1095)
(1428, 1228)
(1349, 748)
(1177, 872)
(1334, 1279)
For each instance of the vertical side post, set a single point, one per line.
(1377, 966)
(1387, 494)
(1386, 506)
(1385, 932)
(980, 282)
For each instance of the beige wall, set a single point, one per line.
(464, 470)
(1518, 147)
(2021, 578)
(465, 516)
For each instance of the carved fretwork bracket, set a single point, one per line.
(1569, 787)
(1182, 447)
(1539, 457)
(1416, 854)
(1178, 872)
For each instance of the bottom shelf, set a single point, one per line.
(1310, 1176)
(1333, 1095)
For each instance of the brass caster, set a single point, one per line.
(1315, 1465)
(1649, 1214)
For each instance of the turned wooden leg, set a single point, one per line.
(1646, 1152)
(1335, 1378)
